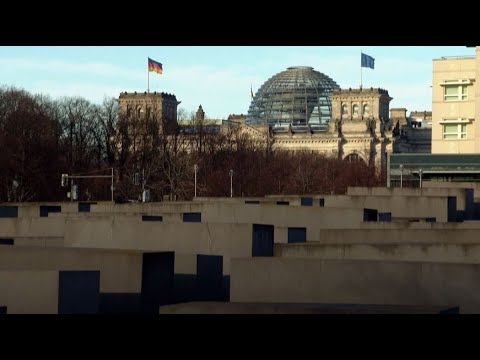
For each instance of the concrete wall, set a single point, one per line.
(398, 206)
(400, 202)
(444, 190)
(282, 215)
(444, 253)
(359, 198)
(454, 185)
(29, 291)
(399, 233)
(221, 212)
(32, 227)
(39, 241)
(185, 239)
(32, 210)
(417, 193)
(355, 282)
(120, 271)
(185, 264)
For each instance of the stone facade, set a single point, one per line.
(163, 106)
(360, 128)
(411, 134)
(421, 119)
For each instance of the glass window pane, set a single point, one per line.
(450, 128)
(366, 109)
(451, 90)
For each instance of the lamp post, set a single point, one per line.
(420, 173)
(401, 175)
(15, 187)
(111, 186)
(195, 169)
(231, 182)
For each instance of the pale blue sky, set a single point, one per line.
(218, 77)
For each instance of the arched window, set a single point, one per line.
(352, 158)
(344, 109)
(139, 110)
(366, 110)
(355, 109)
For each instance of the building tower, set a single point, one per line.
(360, 119)
(160, 106)
(200, 115)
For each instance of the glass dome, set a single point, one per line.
(297, 97)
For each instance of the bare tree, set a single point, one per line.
(29, 154)
(107, 117)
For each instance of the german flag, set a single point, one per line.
(154, 66)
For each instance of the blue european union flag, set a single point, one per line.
(368, 61)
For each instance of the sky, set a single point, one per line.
(217, 77)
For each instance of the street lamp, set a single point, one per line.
(15, 187)
(231, 182)
(420, 173)
(195, 169)
(401, 175)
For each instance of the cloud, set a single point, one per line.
(60, 66)
(220, 91)
(93, 92)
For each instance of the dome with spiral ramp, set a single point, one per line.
(298, 96)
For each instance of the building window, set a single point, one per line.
(454, 131)
(366, 110)
(455, 92)
(344, 109)
(355, 109)
(351, 158)
(384, 111)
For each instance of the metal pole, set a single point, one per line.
(361, 80)
(420, 172)
(148, 76)
(112, 184)
(231, 182)
(143, 185)
(195, 168)
(401, 176)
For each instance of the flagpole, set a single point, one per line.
(148, 77)
(361, 80)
